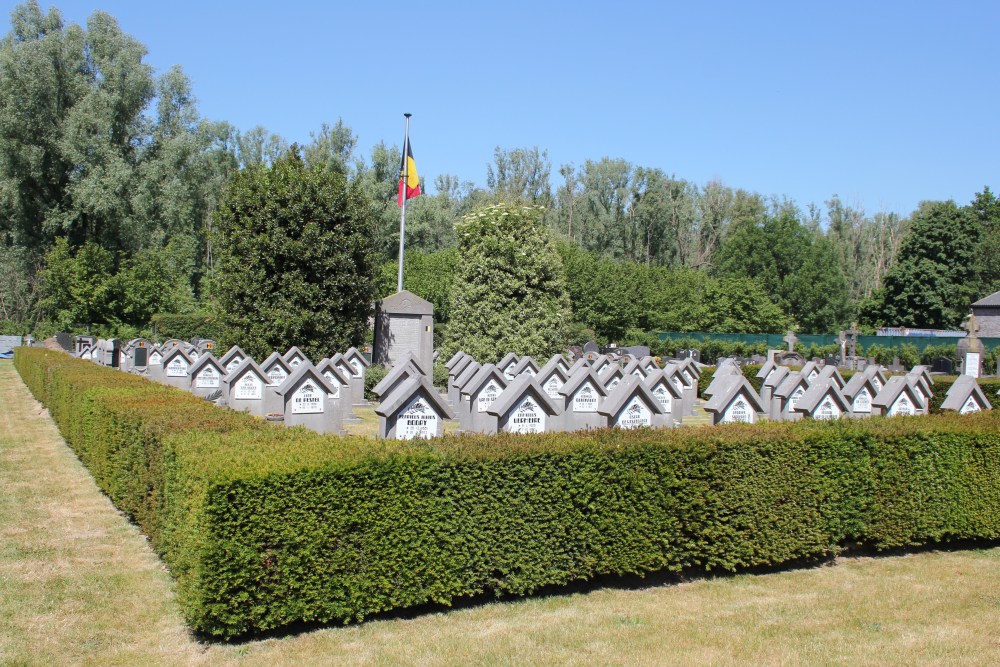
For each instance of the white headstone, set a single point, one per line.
(971, 366)
(207, 378)
(416, 420)
(635, 414)
(585, 399)
(553, 385)
(178, 367)
(488, 395)
(248, 387)
(276, 374)
(526, 417)
(308, 399)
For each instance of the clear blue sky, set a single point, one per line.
(883, 103)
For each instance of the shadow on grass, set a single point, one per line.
(620, 582)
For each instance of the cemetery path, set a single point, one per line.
(79, 585)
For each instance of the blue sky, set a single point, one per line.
(883, 103)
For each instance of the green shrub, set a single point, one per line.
(186, 326)
(374, 375)
(264, 526)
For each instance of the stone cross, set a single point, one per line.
(853, 331)
(971, 326)
(791, 340)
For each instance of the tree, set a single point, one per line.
(986, 208)
(428, 275)
(605, 294)
(509, 293)
(294, 259)
(934, 280)
(818, 292)
(332, 148)
(71, 128)
(521, 174)
(740, 305)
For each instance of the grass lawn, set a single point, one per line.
(79, 585)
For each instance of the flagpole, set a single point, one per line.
(402, 215)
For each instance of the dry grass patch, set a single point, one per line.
(79, 585)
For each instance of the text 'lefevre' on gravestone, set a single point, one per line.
(527, 417)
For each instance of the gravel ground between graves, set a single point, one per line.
(80, 586)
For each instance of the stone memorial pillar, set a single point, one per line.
(404, 323)
(970, 349)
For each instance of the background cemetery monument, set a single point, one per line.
(404, 323)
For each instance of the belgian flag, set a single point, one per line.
(411, 188)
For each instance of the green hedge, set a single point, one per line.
(186, 326)
(264, 526)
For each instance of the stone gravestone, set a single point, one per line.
(356, 385)
(943, 365)
(206, 376)
(582, 395)
(632, 405)
(414, 410)
(507, 365)
(970, 349)
(456, 369)
(404, 323)
(294, 356)
(853, 343)
(358, 365)
(591, 347)
(277, 369)
(80, 342)
(233, 358)
(669, 396)
(243, 387)
(523, 407)
(305, 398)
(552, 376)
(340, 384)
(455, 384)
(140, 354)
(477, 397)
(175, 368)
(965, 396)
(395, 377)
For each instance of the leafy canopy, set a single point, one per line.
(294, 259)
(509, 293)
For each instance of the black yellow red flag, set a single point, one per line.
(408, 168)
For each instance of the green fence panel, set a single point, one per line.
(777, 341)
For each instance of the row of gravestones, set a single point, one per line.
(820, 392)
(516, 395)
(286, 387)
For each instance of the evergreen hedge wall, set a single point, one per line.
(265, 526)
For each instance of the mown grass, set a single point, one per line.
(79, 585)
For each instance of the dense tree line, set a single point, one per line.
(111, 181)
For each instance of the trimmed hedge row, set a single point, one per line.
(265, 526)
